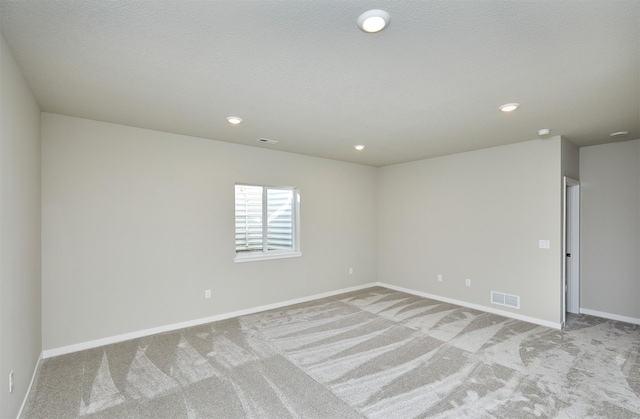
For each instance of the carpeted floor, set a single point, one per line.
(375, 353)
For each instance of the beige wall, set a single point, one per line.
(20, 285)
(476, 215)
(138, 223)
(570, 160)
(610, 228)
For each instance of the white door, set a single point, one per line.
(572, 246)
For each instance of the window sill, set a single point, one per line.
(262, 256)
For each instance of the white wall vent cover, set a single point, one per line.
(506, 300)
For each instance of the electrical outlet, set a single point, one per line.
(207, 293)
(440, 277)
(11, 382)
(467, 282)
(350, 271)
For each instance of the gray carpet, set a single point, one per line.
(375, 353)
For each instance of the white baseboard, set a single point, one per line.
(33, 378)
(610, 316)
(475, 306)
(171, 327)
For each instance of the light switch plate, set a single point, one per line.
(544, 244)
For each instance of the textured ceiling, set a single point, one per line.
(302, 73)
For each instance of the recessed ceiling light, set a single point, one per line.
(359, 147)
(544, 131)
(234, 120)
(619, 134)
(509, 107)
(373, 21)
(267, 141)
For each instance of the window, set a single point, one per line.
(266, 222)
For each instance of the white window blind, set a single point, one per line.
(279, 219)
(265, 220)
(248, 218)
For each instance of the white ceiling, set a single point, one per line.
(302, 73)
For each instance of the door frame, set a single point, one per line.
(570, 239)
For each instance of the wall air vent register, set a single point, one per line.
(506, 300)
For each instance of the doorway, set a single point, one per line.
(571, 246)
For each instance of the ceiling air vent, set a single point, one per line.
(267, 141)
(506, 300)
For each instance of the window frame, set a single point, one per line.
(295, 251)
